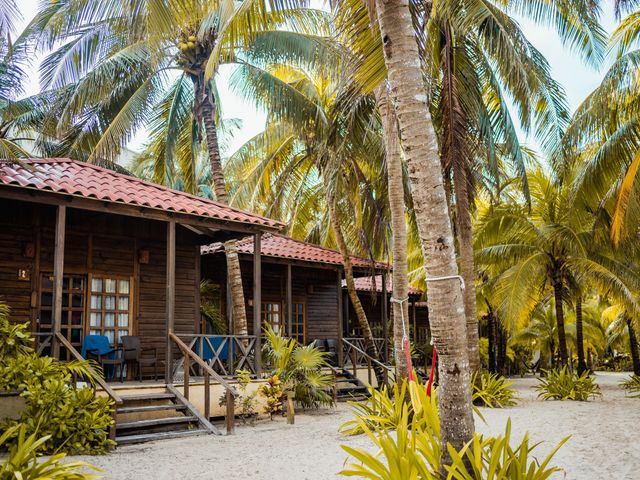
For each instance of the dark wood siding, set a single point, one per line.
(99, 243)
(315, 287)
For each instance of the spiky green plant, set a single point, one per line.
(562, 384)
(413, 451)
(23, 463)
(299, 368)
(632, 386)
(492, 390)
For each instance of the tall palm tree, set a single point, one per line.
(396, 192)
(147, 45)
(313, 157)
(547, 250)
(446, 305)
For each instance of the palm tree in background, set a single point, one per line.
(162, 54)
(316, 165)
(548, 251)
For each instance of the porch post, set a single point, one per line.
(385, 320)
(340, 316)
(58, 272)
(257, 299)
(289, 302)
(170, 301)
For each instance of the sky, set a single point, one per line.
(567, 68)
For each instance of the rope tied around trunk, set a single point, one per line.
(447, 277)
(405, 337)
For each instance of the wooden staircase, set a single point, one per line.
(349, 387)
(154, 416)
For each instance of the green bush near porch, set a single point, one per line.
(75, 420)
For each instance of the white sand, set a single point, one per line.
(603, 443)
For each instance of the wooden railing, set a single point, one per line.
(360, 343)
(95, 377)
(230, 392)
(226, 354)
(358, 358)
(44, 340)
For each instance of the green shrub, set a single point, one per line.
(299, 369)
(73, 420)
(409, 448)
(562, 384)
(273, 393)
(494, 458)
(23, 462)
(632, 386)
(492, 390)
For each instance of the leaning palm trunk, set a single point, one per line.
(582, 366)
(446, 304)
(233, 261)
(467, 270)
(563, 357)
(633, 344)
(363, 322)
(400, 274)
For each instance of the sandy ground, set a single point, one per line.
(603, 444)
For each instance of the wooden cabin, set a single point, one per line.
(86, 251)
(301, 286)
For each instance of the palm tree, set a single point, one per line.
(140, 44)
(446, 305)
(547, 248)
(603, 138)
(396, 192)
(315, 164)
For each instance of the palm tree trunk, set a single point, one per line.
(563, 358)
(467, 270)
(363, 322)
(446, 304)
(493, 365)
(234, 272)
(400, 273)
(633, 344)
(213, 147)
(582, 366)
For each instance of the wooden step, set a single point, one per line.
(148, 396)
(151, 408)
(149, 437)
(156, 422)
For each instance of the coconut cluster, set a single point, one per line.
(187, 43)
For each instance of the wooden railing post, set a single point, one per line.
(231, 414)
(335, 387)
(369, 370)
(112, 428)
(207, 396)
(291, 413)
(187, 368)
(354, 362)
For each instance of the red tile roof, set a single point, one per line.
(71, 177)
(279, 246)
(364, 284)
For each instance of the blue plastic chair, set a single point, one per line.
(97, 347)
(207, 352)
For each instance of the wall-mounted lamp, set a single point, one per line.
(29, 250)
(143, 256)
(24, 274)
